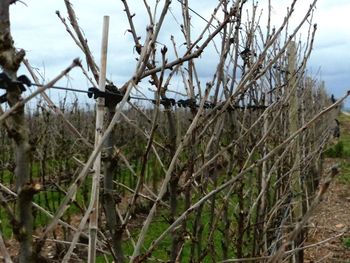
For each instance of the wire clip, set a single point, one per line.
(166, 102)
(112, 98)
(7, 84)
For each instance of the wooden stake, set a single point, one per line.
(98, 135)
(293, 126)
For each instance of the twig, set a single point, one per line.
(89, 58)
(4, 251)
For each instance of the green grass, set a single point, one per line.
(341, 150)
(336, 151)
(346, 242)
(6, 177)
(101, 259)
(344, 176)
(49, 200)
(5, 225)
(162, 251)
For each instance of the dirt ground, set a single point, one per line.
(330, 224)
(331, 219)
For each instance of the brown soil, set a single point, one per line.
(332, 218)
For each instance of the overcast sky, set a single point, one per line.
(49, 48)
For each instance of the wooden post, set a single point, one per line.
(98, 135)
(295, 153)
(264, 183)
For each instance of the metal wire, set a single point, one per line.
(166, 102)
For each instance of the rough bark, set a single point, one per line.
(109, 195)
(10, 60)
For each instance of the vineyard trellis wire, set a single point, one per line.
(233, 177)
(113, 96)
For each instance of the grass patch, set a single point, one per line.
(5, 226)
(6, 177)
(341, 150)
(344, 176)
(345, 140)
(336, 151)
(346, 242)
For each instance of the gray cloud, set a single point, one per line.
(49, 47)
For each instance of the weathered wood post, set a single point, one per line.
(295, 152)
(98, 135)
